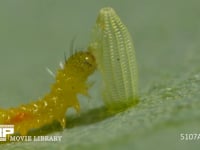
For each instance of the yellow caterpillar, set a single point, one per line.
(70, 80)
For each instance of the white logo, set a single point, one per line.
(5, 130)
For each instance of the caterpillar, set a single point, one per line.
(70, 80)
(112, 46)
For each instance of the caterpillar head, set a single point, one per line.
(82, 63)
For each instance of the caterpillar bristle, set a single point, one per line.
(61, 65)
(65, 57)
(72, 49)
(50, 72)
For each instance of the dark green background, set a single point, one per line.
(34, 34)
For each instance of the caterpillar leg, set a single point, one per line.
(77, 107)
(62, 122)
(73, 102)
(84, 89)
(21, 130)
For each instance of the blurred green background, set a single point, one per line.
(35, 34)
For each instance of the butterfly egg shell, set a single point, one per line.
(112, 46)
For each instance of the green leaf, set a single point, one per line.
(166, 36)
